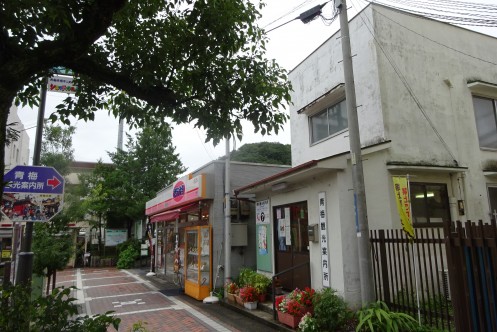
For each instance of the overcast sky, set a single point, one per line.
(289, 45)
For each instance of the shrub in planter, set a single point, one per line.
(330, 311)
(261, 282)
(246, 277)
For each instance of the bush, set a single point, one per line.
(378, 317)
(55, 312)
(246, 277)
(128, 251)
(330, 311)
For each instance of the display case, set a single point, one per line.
(198, 281)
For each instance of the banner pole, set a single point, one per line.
(415, 251)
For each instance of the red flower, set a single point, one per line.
(249, 294)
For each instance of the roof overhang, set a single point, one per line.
(484, 89)
(424, 168)
(295, 177)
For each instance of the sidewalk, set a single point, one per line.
(134, 297)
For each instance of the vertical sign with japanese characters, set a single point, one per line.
(323, 242)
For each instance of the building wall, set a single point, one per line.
(17, 153)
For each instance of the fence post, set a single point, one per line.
(457, 272)
(384, 267)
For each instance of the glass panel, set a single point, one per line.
(492, 196)
(485, 122)
(192, 259)
(299, 223)
(438, 203)
(418, 205)
(337, 118)
(204, 252)
(319, 126)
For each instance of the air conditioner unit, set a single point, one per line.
(444, 277)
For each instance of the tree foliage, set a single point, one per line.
(56, 147)
(118, 192)
(264, 153)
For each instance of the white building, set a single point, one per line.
(427, 100)
(17, 152)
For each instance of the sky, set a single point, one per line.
(288, 44)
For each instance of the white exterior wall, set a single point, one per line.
(17, 153)
(320, 72)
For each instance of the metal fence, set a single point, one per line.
(411, 276)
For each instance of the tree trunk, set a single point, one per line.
(48, 283)
(54, 278)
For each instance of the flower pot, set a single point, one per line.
(239, 300)
(250, 305)
(287, 319)
(231, 298)
(262, 297)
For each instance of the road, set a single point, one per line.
(135, 298)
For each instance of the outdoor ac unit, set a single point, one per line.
(444, 276)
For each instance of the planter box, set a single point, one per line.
(231, 298)
(239, 300)
(287, 319)
(250, 305)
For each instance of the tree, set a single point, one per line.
(149, 61)
(53, 247)
(135, 176)
(56, 147)
(264, 153)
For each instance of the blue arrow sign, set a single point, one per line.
(33, 179)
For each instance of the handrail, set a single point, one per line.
(274, 288)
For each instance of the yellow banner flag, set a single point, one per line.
(403, 204)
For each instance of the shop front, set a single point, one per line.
(179, 216)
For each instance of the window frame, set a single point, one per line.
(426, 204)
(476, 113)
(329, 135)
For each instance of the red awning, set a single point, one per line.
(171, 215)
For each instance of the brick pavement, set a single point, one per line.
(134, 299)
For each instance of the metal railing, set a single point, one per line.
(273, 283)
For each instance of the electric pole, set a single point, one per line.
(364, 252)
(227, 216)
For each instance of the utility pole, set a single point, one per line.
(25, 267)
(364, 252)
(227, 216)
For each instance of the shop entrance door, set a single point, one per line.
(292, 245)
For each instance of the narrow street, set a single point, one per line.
(134, 298)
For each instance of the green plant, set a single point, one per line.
(261, 282)
(308, 324)
(246, 277)
(127, 257)
(55, 312)
(330, 310)
(378, 317)
(139, 327)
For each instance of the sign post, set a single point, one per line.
(32, 194)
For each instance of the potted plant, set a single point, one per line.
(261, 283)
(292, 307)
(249, 296)
(231, 290)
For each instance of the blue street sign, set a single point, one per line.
(32, 193)
(33, 179)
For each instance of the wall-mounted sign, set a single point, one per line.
(262, 215)
(185, 190)
(325, 270)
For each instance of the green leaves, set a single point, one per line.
(378, 317)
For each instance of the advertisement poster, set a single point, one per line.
(262, 212)
(402, 199)
(262, 239)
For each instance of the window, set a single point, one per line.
(429, 203)
(486, 122)
(328, 122)
(492, 197)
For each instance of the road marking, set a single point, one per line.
(108, 285)
(118, 295)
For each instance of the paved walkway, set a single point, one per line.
(133, 298)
